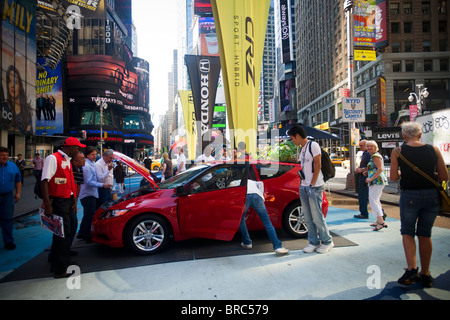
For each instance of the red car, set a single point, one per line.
(206, 201)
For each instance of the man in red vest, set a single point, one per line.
(58, 191)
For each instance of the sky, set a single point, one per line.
(156, 27)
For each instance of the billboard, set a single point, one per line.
(285, 29)
(202, 8)
(49, 100)
(208, 37)
(364, 31)
(18, 70)
(381, 16)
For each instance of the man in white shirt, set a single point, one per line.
(311, 192)
(181, 163)
(206, 156)
(104, 170)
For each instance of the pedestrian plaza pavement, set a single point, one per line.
(367, 270)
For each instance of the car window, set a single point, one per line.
(219, 177)
(182, 178)
(271, 170)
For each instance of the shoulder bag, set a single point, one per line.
(445, 199)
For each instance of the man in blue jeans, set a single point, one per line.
(9, 178)
(363, 188)
(255, 199)
(311, 192)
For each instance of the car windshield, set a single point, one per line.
(182, 178)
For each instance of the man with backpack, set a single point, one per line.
(311, 191)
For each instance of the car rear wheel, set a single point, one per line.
(293, 220)
(147, 234)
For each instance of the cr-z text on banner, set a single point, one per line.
(204, 74)
(241, 28)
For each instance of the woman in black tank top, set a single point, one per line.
(419, 200)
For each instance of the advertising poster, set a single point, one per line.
(364, 30)
(202, 8)
(18, 70)
(204, 75)
(49, 101)
(436, 131)
(241, 29)
(208, 37)
(381, 102)
(381, 16)
(187, 103)
(285, 29)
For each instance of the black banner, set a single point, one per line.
(204, 75)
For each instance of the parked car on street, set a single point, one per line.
(206, 201)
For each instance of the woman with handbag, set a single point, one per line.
(376, 179)
(419, 199)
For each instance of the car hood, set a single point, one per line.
(136, 166)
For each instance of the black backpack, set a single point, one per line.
(328, 169)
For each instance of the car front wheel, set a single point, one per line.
(293, 221)
(147, 234)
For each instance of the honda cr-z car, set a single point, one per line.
(206, 201)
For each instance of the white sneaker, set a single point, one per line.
(324, 248)
(310, 248)
(246, 246)
(281, 251)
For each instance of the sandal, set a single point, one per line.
(383, 225)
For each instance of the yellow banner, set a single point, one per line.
(241, 29)
(187, 103)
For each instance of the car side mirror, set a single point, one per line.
(179, 191)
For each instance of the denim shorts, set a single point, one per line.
(418, 210)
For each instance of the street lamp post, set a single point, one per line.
(102, 105)
(423, 94)
(348, 9)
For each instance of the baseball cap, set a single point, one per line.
(71, 141)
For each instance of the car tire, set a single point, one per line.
(147, 234)
(293, 221)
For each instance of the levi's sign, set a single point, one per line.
(353, 109)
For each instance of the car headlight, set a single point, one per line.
(113, 213)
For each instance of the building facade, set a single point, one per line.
(417, 54)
